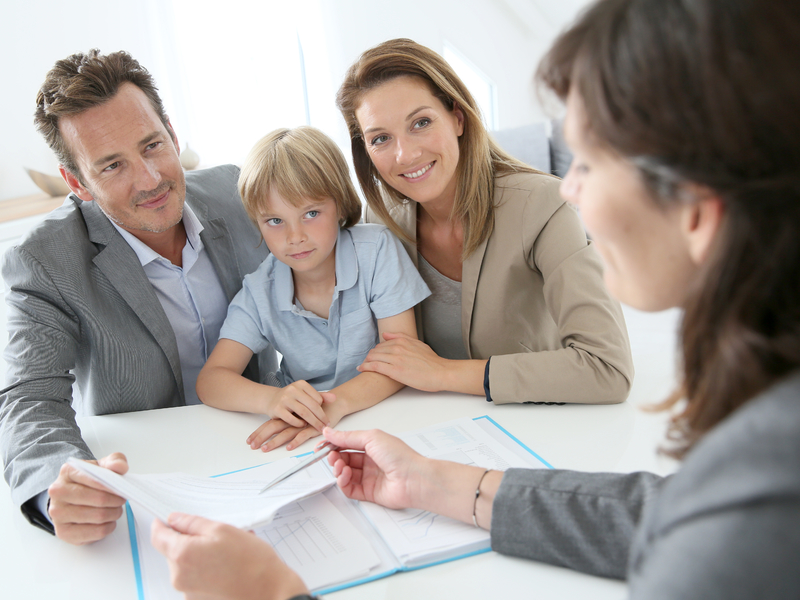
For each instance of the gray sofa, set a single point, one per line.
(540, 145)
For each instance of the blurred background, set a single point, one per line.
(229, 72)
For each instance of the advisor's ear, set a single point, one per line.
(700, 222)
(75, 185)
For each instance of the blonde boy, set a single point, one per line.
(322, 298)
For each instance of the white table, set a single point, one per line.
(205, 441)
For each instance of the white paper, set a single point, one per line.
(231, 501)
(331, 540)
(416, 536)
(318, 542)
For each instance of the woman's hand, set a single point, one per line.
(386, 471)
(413, 363)
(212, 560)
(407, 360)
(389, 473)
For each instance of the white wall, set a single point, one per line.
(33, 35)
(504, 38)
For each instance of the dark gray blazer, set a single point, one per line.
(80, 308)
(725, 526)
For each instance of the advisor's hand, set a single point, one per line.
(83, 510)
(386, 471)
(212, 560)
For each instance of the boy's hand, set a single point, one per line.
(298, 407)
(277, 432)
(299, 404)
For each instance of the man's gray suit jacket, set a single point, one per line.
(726, 526)
(80, 308)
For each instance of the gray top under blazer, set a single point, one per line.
(725, 526)
(80, 308)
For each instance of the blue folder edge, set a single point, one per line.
(137, 567)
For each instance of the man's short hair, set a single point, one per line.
(83, 81)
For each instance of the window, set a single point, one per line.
(479, 85)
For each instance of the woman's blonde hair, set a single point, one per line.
(480, 158)
(298, 164)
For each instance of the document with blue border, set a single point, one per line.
(334, 542)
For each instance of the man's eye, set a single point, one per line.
(112, 166)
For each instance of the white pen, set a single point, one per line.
(320, 453)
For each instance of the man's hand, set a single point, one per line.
(83, 510)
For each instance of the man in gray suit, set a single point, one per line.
(123, 289)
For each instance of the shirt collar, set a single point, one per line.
(346, 271)
(147, 255)
(346, 261)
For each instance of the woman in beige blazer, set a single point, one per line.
(536, 322)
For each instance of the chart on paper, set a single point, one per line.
(307, 540)
(316, 540)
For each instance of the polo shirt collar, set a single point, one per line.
(346, 271)
(346, 261)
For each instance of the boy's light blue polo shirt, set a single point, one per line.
(375, 279)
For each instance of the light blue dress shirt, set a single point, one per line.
(375, 279)
(191, 296)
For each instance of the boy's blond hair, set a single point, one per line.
(299, 164)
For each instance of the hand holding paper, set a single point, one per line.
(384, 472)
(236, 503)
(209, 559)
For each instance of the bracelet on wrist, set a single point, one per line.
(477, 493)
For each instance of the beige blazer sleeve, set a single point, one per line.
(533, 300)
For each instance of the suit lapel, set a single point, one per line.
(119, 263)
(470, 273)
(218, 242)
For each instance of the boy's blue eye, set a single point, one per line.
(312, 213)
(274, 221)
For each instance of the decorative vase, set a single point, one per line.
(189, 158)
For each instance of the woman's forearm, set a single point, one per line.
(464, 376)
(448, 489)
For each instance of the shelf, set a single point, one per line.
(28, 206)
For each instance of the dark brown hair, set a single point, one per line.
(83, 81)
(480, 159)
(299, 164)
(707, 92)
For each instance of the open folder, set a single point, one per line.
(334, 542)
